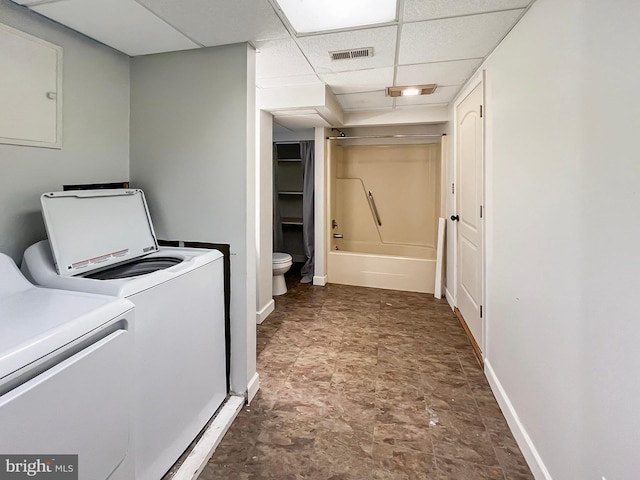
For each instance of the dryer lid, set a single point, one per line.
(93, 229)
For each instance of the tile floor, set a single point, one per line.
(361, 383)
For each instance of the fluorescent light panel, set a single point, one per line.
(411, 90)
(308, 16)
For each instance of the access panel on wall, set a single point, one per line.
(30, 90)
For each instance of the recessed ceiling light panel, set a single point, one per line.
(411, 90)
(310, 16)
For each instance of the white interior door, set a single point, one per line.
(469, 194)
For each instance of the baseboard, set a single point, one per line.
(262, 315)
(472, 340)
(449, 297)
(194, 464)
(253, 387)
(320, 280)
(525, 443)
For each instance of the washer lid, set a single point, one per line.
(93, 229)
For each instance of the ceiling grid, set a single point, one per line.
(435, 41)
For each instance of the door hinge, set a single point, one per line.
(480, 311)
(481, 111)
(453, 188)
(480, 211)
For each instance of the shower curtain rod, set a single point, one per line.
(418, 135)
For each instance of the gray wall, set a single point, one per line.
(95, 131)
(192, 151)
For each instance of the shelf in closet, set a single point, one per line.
(289, 196)
(291, 221)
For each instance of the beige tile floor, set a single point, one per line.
(361, 383)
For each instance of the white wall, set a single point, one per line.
(561, 237)
(533, 234)
(320, 206)
(610, 235)
(264, 225)
(95, 131)
(435, 129)
(293, 135)
(193, 152)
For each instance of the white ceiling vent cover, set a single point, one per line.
(353, 53)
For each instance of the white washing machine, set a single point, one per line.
(65, 376)
(102, 241)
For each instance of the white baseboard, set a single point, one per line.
(320, 281)
(253, 387)
(525, 443)
(194, 464)
(449, 297)
(262, 315)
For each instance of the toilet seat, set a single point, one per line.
(279, 258)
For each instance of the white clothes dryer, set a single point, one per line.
(65, 376)
(103, 241)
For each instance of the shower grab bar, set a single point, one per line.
(374, 209)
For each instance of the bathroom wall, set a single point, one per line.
(405, 183)
(95, 131)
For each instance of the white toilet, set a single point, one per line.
(281, 264)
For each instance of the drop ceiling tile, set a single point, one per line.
(383, 41)
(441, 73)
(454, 38)
(441, 95)
(122, 24)
(287, 81)
(361, 101)
(416, 10)
(359, 80)
(280, 58)
(218, 22)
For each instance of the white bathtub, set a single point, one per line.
(394, 267)
(383, 204)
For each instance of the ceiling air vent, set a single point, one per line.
(353, 53)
